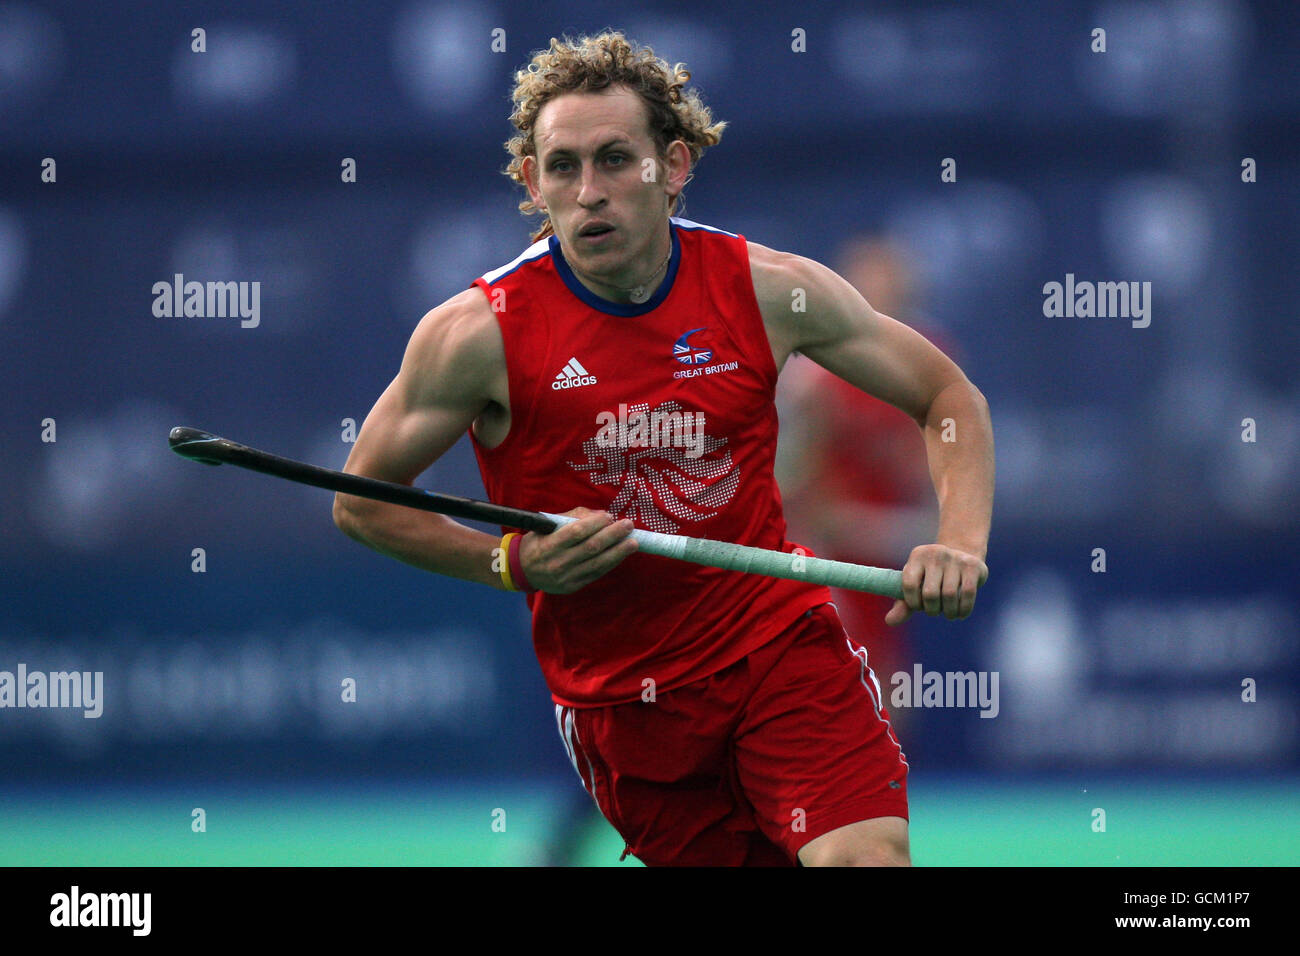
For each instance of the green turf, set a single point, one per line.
(1147, 824)
(293, 828)
(953, 824)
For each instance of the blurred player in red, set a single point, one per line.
(852, 468)
(626, 363)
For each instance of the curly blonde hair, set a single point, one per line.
(595, 63)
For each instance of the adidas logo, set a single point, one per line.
(573, 375)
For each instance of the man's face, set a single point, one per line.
(591, 177)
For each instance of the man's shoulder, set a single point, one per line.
(464, 326)
(689, 225)
(779, 275)
(535, 252)
(774, 272)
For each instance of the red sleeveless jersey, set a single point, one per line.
(661, 412)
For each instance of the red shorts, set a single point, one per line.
(747, 765)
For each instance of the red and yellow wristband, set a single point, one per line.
(512, 568)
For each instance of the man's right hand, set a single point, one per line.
(573, 556)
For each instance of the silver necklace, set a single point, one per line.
(641, 293)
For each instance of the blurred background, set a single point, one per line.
(1160, 690)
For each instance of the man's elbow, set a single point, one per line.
(345, 517)
(959, 396)
(978, 398)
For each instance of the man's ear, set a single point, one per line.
(678, 168)
(528, 169)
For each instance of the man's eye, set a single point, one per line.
(560, 166)
(616, 158)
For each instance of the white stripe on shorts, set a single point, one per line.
(865, 671)
(564, 718)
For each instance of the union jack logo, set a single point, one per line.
(688, 354)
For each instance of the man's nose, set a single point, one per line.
(590, 192)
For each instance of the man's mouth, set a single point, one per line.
(594, 229)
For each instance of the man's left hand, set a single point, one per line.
(939, 580)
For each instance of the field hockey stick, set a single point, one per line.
(210, 449)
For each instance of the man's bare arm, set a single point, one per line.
(453, 375)
(839, 330)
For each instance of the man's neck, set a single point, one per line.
(642, 281)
